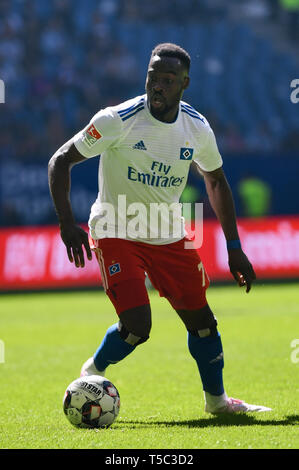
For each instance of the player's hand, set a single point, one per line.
(74, 237)
(241, 268)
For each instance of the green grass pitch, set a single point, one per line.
(47, 336)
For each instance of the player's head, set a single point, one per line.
(167, 78)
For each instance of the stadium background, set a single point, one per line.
(61, 61)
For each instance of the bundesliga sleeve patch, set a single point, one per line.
(91, 136)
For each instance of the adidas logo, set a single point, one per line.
(140, 145)
(218, 358)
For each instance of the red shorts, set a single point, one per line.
(177, 273)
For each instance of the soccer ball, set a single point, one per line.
(91, 402)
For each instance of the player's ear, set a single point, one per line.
(186, 82)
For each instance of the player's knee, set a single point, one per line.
(201, 322)
(129, 337)
(204, 332)
(134, 325)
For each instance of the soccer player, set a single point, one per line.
(147, 145)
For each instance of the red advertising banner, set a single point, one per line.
(35, 257)
(271, 244)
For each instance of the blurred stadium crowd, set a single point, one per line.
(63, 60)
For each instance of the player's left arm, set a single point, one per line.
(221, 200)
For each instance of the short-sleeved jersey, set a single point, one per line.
(144, 162)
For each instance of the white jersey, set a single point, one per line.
(144, 162)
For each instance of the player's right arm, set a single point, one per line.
(59, 176)
(101, 132)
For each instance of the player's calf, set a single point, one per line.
(120, 339)
(205, 347)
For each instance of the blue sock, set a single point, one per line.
(112, 349)
(208, 354)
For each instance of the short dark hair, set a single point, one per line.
(168, 49)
